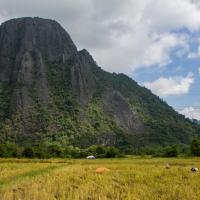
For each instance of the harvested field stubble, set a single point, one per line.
(132, 178)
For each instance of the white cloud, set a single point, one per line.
(191, 112)
(152, 51)
(121, 35)
(199, 70)
(165, 14)
(159, 52)
(176, 85)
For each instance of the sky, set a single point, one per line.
(155, 42)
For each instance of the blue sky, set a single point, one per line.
(156, 42)
(180, 66)
(176, 68)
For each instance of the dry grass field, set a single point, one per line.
(128, 178)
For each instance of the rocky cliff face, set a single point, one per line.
(26, 45)
(50, 91)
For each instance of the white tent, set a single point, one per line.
(90, 157)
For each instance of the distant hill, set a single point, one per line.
(195, 121)
(50, 91)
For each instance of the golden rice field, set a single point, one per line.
(128, 178)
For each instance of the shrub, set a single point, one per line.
(171, 151)
(83, 153)
(10, 150)
(100, 150)
(103, 151)
(75, 153)
(41, 151)
(67, 151)
(28, 152)
(112, 152)
(2, 151)
(55, 151)
(149, 150)
(195, 147)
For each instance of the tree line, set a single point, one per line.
(49, 150)
(173, 150)
(45, 150)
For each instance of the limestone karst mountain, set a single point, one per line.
(50, 91)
